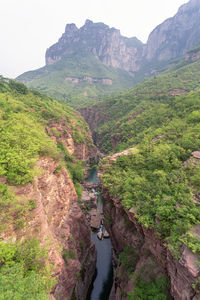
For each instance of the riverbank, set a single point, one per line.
(103, 280)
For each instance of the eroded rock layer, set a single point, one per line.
(151, 259)
(59, 224)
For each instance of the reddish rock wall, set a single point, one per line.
(59, 224)
(62, 132)
(125, 230)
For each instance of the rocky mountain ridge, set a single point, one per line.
(176, 35)
(169, 40)
(96, 61)
(103, 42)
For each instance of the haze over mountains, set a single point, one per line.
(147, 147)
(97, 60)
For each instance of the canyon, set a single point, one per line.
(95, 60)
(131, 232)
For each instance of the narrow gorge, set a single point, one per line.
(141, 259)
(100, 167)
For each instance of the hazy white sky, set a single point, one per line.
(29, 27)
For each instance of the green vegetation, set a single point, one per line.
(23, 138)
(25, 118)
(14, 210)
(157, 182)
(128, 259)
(131, 115)
(75, 167)
(52, 80)
(156, 289)
(69, 255)
(24, 273)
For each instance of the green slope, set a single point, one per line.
(155, 180)
(127, 116)
(159, 179)
(24, 114)
(51, 79)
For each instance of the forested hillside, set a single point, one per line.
(29, 127)
(123, 120)
(155, 182)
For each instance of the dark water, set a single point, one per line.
(102, 284)
(93, 177)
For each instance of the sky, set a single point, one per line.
(29, 27)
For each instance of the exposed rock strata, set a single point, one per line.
(62, 132)
(176, 35)
(125, 230)
(169, 40)
(104, 42)
(192, 56)
(105, 81)
(59, 225)
(94, 118)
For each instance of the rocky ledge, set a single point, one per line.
(61, 227)
(151, 257)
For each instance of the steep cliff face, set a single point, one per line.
(171, 39)
(146, 263)
(69, 134)
(96, 60)
(103, 42)
(42, 142)
(175, 36)
(150, 258)
(60, 226)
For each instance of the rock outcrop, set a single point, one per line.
(95, 60)
(169, 40)
(63, 132)
(60, 226)
(74, 80)
(102, 41)
(176, 35)
(152, 257)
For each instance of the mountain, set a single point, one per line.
(117, 121)
(175, 36)
(151, 185)
(105, 43)
(89, 62)
(43, 148)
(96, 60)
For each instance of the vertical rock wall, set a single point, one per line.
(60, 226)
(152, 257)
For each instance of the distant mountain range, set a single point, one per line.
(96, 60)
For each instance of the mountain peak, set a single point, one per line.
(71, 28)
(88, 22)
(189, 5)
(98, 39)
(176, 35)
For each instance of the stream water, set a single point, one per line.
(103, 280)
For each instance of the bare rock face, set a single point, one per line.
(169, 40)
(175, 36)
(95, 218)
(62, 132)
(59, 224)
(104, 42)
(152, 256)
(74, 80)
(93, 117)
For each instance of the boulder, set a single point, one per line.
(106, 234)
(196, 154)
(100, 235)
(95, 220)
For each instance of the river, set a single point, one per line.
(102, 283)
